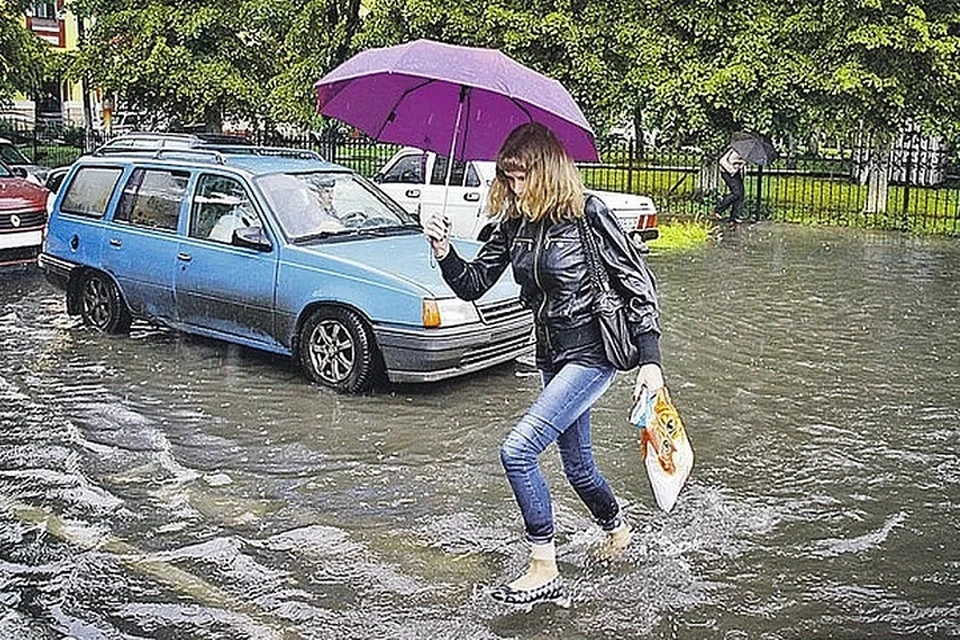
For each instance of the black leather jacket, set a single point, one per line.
(549, 265)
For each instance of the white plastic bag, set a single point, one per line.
(664, 445)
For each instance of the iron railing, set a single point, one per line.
(828, 184)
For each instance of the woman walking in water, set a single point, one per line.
(539, 198)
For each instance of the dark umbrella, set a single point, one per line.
(456, 101)
(754, 149)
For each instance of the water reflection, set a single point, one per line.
(158, 485)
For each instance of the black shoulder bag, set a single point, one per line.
(618, 344)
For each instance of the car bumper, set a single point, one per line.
(428, 355)
(645, 235)
(20, 246)
(56, 270)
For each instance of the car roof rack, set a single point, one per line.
(282, 152)
(150, 141)
(158, 154)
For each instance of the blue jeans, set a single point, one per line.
(561, 413)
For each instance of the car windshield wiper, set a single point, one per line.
(390, 230)
(394, 229)
(321, 235)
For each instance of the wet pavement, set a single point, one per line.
(158, 485)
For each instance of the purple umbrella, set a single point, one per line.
(455, 101)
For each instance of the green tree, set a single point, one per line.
(24, 58)
(204, 60)
(566, 40)
(706, 69)
(703, 70)
(320, 36)
(883, 68)
(882, 65)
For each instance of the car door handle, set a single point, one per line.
(186, 257)
(413, 193)
(115, 242)
(473, 196)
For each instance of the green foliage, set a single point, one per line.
(319, 38)
(567, 41)
(204, 60)
(682, 235)
(694, 70)
(882, 65)
(24, 58)
(699, 71)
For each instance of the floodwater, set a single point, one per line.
(163, 486)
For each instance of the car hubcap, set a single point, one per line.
(332, 351)
(96, 302)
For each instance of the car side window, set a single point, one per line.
(90, 190)
(220, 206)
(152, 198)
(407, 170)
(440, 172)
(473, 178)
(11, 154)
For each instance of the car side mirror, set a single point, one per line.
(377, 178)
(20, 172)
(252, 238)
(54, 180)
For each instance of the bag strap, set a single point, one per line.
(598, 274)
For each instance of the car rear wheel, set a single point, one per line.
(101, 305)
(337, 350)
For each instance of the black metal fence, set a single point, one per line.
(825, 184)
(828, 185)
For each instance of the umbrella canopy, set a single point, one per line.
(444, 97)
(754, 149)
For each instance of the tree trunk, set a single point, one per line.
(877, 173)
(638, 131)
(708, 176)
(213, 120)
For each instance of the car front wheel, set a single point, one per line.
(101, 305)
(337, 350)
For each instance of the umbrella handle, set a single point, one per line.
(464, 92)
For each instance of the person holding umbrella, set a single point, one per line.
(539, 197)
(731, 170)
(744, 148)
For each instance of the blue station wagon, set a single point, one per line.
(276, 250)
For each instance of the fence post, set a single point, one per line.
(757, 210)
(910, 139)
(631, 146)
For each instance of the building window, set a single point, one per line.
(45, 10)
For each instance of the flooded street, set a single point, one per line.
(163, 486)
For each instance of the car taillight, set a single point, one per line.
(647, 221)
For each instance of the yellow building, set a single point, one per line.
(60, 101)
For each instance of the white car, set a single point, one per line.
(415, 179)
(14, 158)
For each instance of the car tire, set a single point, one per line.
(337, 350)
(101, 305)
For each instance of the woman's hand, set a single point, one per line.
(437, 230)
(649, 376)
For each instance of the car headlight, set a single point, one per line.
(448, 312)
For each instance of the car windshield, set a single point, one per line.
(321, 204)
(11, 155)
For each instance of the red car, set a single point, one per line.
(23, 214)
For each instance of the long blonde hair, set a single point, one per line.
(553, 187)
